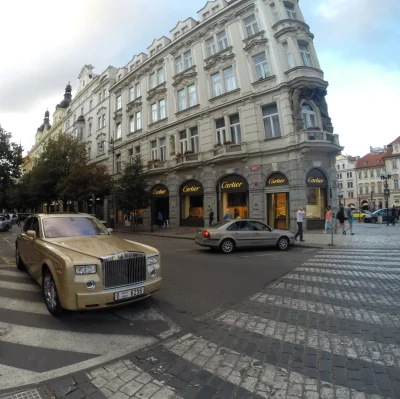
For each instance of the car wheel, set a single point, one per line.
(6, 227)
(50, 294)
(18, 260)
(227, 246)
(283, 243)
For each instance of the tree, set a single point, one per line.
(131, 189)
(10, 166)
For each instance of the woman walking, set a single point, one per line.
(327, 219)
(340, 218)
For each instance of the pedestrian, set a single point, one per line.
(127, 219)
(235, 213)
(349, 213)
(340, 218)
(300, 217)
(210, 217)
(327, 219)
(19, 220)
(228, 215)
(394, 215)
(160, 220)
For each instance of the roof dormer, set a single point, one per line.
(136, 61)
(122, 72)
(85, 76)
(158, 45)
(182, 27)
(211, 8)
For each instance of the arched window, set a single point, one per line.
(308, 114)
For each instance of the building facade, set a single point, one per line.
(229, 112)
(347, 180)
(392, 164)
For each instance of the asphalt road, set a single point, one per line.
(197, 283)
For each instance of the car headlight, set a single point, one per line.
(86, 269)
(152, 260)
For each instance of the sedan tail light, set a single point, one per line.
(206, 234)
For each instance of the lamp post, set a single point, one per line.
(112, 149)
(385, 176)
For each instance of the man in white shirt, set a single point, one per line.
(300, 217)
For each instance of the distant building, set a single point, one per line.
(392, 163)
(347, 180)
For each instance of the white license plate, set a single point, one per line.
(128, 293)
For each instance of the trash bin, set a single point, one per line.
(380, 219)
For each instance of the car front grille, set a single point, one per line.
(123, 269)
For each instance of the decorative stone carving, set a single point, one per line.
(157, 93)
(172, 144)
(290, 27)
(315, 94)
(215, 61)
(101, 110)
(185, 77)
(256, 45)
(134, 105)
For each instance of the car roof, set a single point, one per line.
(60, 214)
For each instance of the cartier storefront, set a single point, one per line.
(317, 184)
(191, 195)
(277, 188)
(233, 194)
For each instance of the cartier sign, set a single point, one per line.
(316, 178)
(234, 183)
(277, 179)
(160, 191)
(192, 187)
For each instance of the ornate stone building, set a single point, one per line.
(346, 175)
(230, 112)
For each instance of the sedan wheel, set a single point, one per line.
(6, 227)
(18, 261)
(227, 246)
(283, 243)
(50, 294)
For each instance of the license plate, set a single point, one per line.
(128, 293)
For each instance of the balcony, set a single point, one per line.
(290, 26)
(229, 149)
(187, 158)
(156, 164)
(320, 139)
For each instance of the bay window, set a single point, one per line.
(188, 59)
(137, 90)
(305, 55)
(289, 56)
(308, 115)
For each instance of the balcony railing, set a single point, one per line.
(229, 148)
(190, 157)
(319, 136)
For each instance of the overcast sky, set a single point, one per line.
(45, 43)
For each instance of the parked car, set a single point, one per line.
(5, 224)
(373, 217)
(231, 234)
(80, 265)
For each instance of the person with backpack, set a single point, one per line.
(340, 218)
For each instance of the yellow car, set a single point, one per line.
(360, 215)
(81, 266)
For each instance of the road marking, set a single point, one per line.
(208, 315)
(20, 305)
(336, 266)
(90, 343)
(353, 273)
(183, 249)
(8, 260)
(20, 286)
(9, 273)
(355, 261)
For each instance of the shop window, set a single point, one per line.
(191, 199)
(316, 194)
(234, 196)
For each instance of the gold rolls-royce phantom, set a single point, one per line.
(81, 266)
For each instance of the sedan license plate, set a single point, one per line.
(128, 293)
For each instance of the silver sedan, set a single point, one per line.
(244, 233)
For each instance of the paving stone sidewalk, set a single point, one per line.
(328, 329)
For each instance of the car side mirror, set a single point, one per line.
(110, 230)
(31, 234)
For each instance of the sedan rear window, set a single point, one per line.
(220, 224)
(72, 227)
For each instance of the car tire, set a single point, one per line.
(283, 243)
(227, 246)
(50, 294)
(6, 227)
(18, 260)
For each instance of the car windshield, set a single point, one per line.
(221, 223)
(72, 227)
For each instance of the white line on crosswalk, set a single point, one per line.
(353, 273)
(328, 265)
(92, 343)
(20, 305)
(366, 316)
(373, 257)
(257, 377)
(20, 286)
(370, 351)
(355, 261)
(10, 273)
(360, 251)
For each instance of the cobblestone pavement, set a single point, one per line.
(328, 329)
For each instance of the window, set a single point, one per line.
(137, 90)
(163, 149)
(104, 94)
(74, 119)
(100, 97)
(216, 84)
(99, 122)
(222, 40)
(118, 163)
(229, 79)
(161, 106)
(119, 131)
(305, 55)
(308, 115)
(359, 175)
(350, 184)
(90, 105)
(138, 120)
(194, 139)
(154, 112)
(154, 150)
(272, 128)
(176, 34)
(351, 194)
(103, 120)
(236, 134)
(394, 163)
(89, 151)
(251, 25)
(366, 174)
(275, 13)
(160, 75)
(119, 102)
(159, 47)
(132, 124)
(137, 152)
(221, 134)
(379, 189)
(349, 174)
(151, 52)
(131, 158)
(396, 183)
(153, 80)
(119, 77)
(81, 133)
(206, 14)
(210, 47)
(289, 56)
(192, 95)
(158, 111)
(188, 59)
(261, 66)
(178, 64)
(131, 94)
(339, 175)
(361, 190)
(181, 100)
(183, 142)
(371, 173)
(184, 29)
(291, 12)
(90, 129)
(343, 166)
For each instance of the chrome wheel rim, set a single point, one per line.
(50, 291)
(283, 243)
(227, 246)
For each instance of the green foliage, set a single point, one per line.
(131, 189)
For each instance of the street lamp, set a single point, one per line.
(385, 176)
(112, 149)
